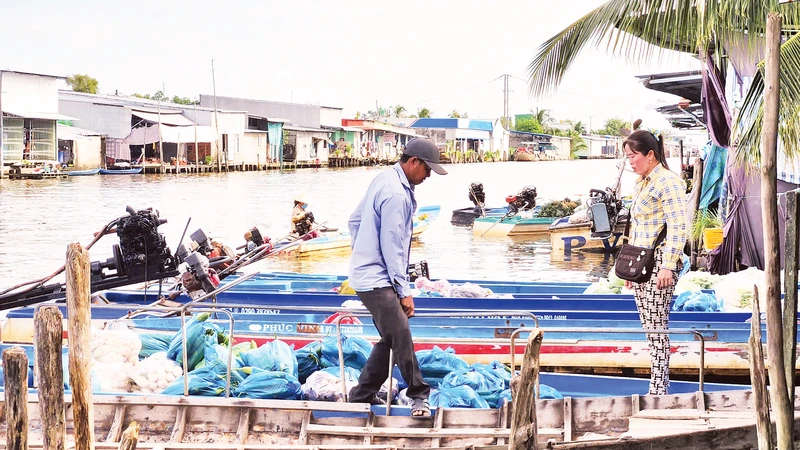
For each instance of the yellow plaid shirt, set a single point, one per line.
(658, 199)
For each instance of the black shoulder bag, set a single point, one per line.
(634, 263)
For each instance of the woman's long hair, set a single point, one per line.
(643, 141)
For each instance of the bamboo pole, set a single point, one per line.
(524, 432)
(48, 332)
(697, 183)
(758, 378)
(791, 265)
(15, 374)
(80, 356)
(769, 206)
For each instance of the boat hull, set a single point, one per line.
(565, 239)
(133, 171)
(511, 226)
(466, 216)
(82, 173)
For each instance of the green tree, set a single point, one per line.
(612, 127)
(82, 83)
(184, 100)
(358, 115)
(454, 114)
(542, 116)
(529, 125)
(579, 127)
(399, 111)
(424, 113)
(640, 30)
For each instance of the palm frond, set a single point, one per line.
(748, 124)
(638, 29)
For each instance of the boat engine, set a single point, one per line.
(604, 212)
(304, 226)
(525, 200)
(255, 239)
(199, 276)
(476, 195)
(418, 270)
(142, 252)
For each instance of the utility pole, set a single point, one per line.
(505, 99)
(2, 135)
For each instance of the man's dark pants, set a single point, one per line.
(392, 325)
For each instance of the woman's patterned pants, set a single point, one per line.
(653, 305)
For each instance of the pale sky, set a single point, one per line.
(440, 54)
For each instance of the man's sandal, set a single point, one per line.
(420, 408)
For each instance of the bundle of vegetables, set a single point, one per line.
(274, 356)
(115, 344)
(216, 358)
(436, 363)
(266, 384)
(611, 285)
(559, 208)
(356, 350)
(204, 381)
(736, 289)
(153, 342)
(696, 281)
(481, 380)
(154, 373)
(308, 360)
(326, 384)
(199, 333)
(469, 290)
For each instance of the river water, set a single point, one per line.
(38, 218)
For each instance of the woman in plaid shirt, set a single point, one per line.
(659, 202)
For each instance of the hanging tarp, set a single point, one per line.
(713, 174)
(166, 118)
(149, 135)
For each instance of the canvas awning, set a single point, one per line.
(39, 115)
(149, 135)
(171, 118)
(68, 133)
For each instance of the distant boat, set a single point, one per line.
(132, 171)
(80, 173)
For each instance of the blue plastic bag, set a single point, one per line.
(436, 363)
(199, 334)
(276, 356)
(30, 377)
(497, 370)
(356, 351)
(269, 385)
(486, 384)
(153, 342)
(204, 381)
(545, 392)
(456, 397)
(308, 360)
(697, 301)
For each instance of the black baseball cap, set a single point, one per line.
(427, 151)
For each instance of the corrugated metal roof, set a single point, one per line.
(452, 123)
(298, 128)
(165, 118)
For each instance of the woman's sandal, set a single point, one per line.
(420, 408)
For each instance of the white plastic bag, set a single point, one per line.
(154, 373)
(115, 344)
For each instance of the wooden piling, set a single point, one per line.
(784, 414)
(15, 374)
(47, 337)
(758, 378)
(80, 353)
(524, 432)
(697, 183)
(791, 266)
(130, 438)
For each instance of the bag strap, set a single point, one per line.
(625, 238)
(661, 236)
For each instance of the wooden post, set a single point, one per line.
(781, 405)
(80, 353)
(15, 373)
(47, 337)
(524, 432)
(791, 266)
(697, 183)
(758, 378)
(130, 438)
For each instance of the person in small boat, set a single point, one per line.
(303, 219)
(659, 201)
(381, 229)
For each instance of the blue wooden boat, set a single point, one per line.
(466, 216)
(131, 171)
(81, 173)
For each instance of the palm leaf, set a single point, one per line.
(750, 119)
(639, 29)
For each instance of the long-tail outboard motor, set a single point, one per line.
(477, 196)
(525, 200)
(199, 276)
(604, 211)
